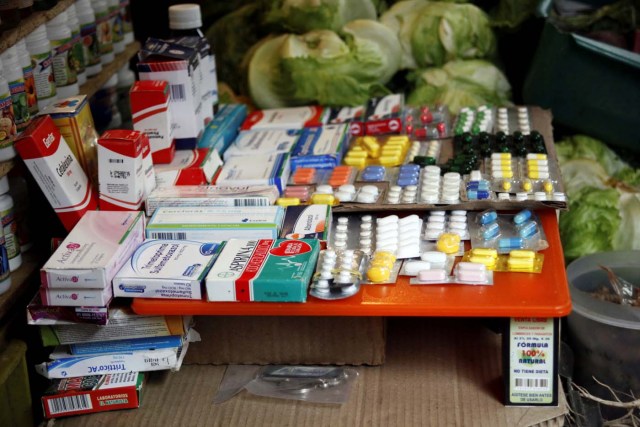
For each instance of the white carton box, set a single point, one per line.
(215, 224)
(166, 269)
(261, 169)
(94, 251)
(266, 141)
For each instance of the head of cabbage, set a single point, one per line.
(432, 33)
(604, 199)
(459, 84)
(343, 68)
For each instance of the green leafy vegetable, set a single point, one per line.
(323, 66)
(432, 33)
(604, 207)
(461, 84)
(300, 16)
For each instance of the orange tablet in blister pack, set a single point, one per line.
(304, 176)
(341, 175)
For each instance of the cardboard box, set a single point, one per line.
(120, 170)
(94, 393)
(307, 222)
(40, 314)
(320, 147)
(193, 196)
(286, 118)
(267, 169)
(216, 224)
(263, 141)
(258, 340)
(57, 171)
(224, 127)
(384, 115)
(269, 270)
(189, 167)
(94, 251)
(176, 64)
(438, 372)
(73, 118)
(166, 269)
(73, 297)
(150, 111)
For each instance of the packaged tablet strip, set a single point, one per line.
(506, 232)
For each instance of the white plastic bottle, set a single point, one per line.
(27, 73)
(9, 224)
(186, 20)
(64, 73)
(117, 31)
(8, 128)
(40, 50)
(77, 60)
(89, 35)
(103, 30)
(15, 79)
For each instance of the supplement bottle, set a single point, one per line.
(117, 32)
(88, 32)
(39, 48)
(8, 128)
(126, 78)
(103, 30)
(64, 64)
(185, 20)
(127, 25)
(7, 214)
(15, 79)
(24, 60)
(77, 50)
(5, 272)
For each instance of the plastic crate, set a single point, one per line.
(591, 87)
(15, 396)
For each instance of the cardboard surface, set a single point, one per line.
(288, 340)
(440, 372)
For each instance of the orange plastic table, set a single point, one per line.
(512, 295)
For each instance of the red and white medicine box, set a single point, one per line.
(150, 110)
(93, 393)
(189, 167)
(120, 170)
(56, 170)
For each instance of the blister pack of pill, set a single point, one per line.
(521, 261)
(513, 119)
(435, 189)
(472, 273)
(383, 269)
(506, 232)
(338, 274)
(427, 122)
(439, 222)
(425, 153)
(474, 120)
(377, 150)
(429, 260)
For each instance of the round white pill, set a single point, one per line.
(450, 198)
(326, 275)
(329, 253)
(520, 196)
(434, 257)
(409, 219)
(407, 252)
(429, 198)
(365, 226)
(365, 234)
(435, 225)
(343, 220)
(366, 218)
(366, 198)
(503, 196)
(365, 243)
(324, 189)
(342, 227)
(340, 236)
(452, 176)
(540, 195)
(340, 243)
(411, 268)
(347, 188)
(456, 218)
(458, 225)
(344, 196)
(436, 218)
(408, 199)
(458, 212)
(559, 196)
(437, 213)
(411, 188)
(393, 200)
(349, 253)
(369, 189)
(432, 234)
(387, 220)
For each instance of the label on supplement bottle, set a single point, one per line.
(76, 56)
(4, 261)
(90, 43)
(20, 105)
(43, 75)
(116, 25)
(8, 128)
(30, 89)
(9, 225)
(64, 73)
(104, 34)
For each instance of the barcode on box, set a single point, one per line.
(531, 384)
(178, 93)
(116, 160)
(152, 361)
(169, 236)
(251, 202)
(61, 405)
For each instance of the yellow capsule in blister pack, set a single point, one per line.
(488, 261)
(390, 160)
(322, 199)
(357, 154)
(490, 252)
(521, 253)
(547, 186)
(358, 162)
(507, 173)
(371, 145)
(500, 156)
(501, 163)
(399, 139)
(527, 185)
(536, 156)
(520, 264)
(288, 201)
(378, 274)
(506, 185)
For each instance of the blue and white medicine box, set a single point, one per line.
(265, 141)
(224, 128)
(320, 147)
(260, 169)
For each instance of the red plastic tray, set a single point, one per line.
(512, 295)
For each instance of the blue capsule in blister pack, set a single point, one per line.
(487, 217)
(509, 243)
(528, 229)
(477, 194)
(490, 231)
(522, 216)
(373, 173)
